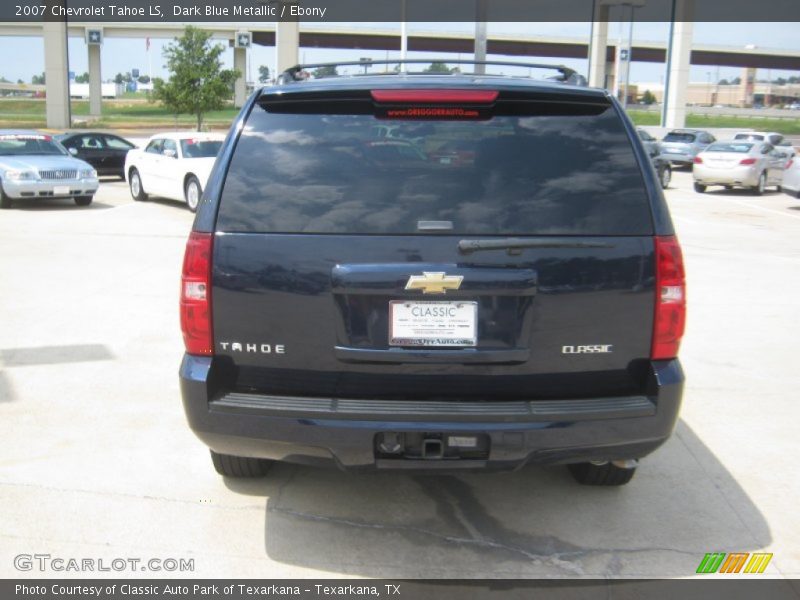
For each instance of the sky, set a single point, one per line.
(123, 54)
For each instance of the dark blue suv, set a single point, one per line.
(427, 271)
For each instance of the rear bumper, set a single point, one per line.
(742, 176)
(343, 432)
(677, 157)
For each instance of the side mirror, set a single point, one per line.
(73, 151)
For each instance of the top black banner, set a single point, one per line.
(337, 11)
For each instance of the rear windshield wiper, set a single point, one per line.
(515, 246)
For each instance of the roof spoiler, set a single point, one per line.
(300, 72)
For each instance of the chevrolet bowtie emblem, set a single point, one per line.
(434, 283)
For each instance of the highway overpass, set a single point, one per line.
(288, 38)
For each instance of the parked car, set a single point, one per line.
(650, 143)
(104, 151)
(753, 165)
(680, 146)
(522, 307)
(34, 166)
(791, 174)
(173, 165)
(772, 137)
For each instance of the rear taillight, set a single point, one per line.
(747, 161)
(196, 294)
(698, 160)
(670, 315)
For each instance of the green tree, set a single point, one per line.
(82, 78)
(144, 79)
(38, 79)
(328, 71)
(118, 78)
(263, 74)
(197, 82)
(438, 67)
(648, 97)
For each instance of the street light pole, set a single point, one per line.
(628, 59)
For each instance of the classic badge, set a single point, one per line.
(434, 282)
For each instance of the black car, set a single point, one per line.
(343, 305)
(104, 151)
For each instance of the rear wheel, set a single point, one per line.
(666, 177)
(604, 473)
(137, 191)
(192, 193)
(761, 185)
(699, 188)
(239, 466)
(83, 200)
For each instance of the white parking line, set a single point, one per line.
(764, 208)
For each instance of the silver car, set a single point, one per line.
(680, 146)
(33, 166)
(791, 174)
(753, 165)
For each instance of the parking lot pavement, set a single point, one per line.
(97, 460)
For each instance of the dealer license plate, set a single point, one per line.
(452, 324)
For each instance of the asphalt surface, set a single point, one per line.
(97, 462)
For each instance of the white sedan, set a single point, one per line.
(752, 165)
(173, 165)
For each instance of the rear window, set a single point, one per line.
(200, 148)
(571, 174)
(756, 137)
(684, 138)
(723, 147)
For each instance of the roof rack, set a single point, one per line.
(295, 73)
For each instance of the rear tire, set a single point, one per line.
(192, 193)
(666, 177)
(83, 200)
(761, 186)
(228, 465)
(699, 188)
(607, 473)
(135, 184)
